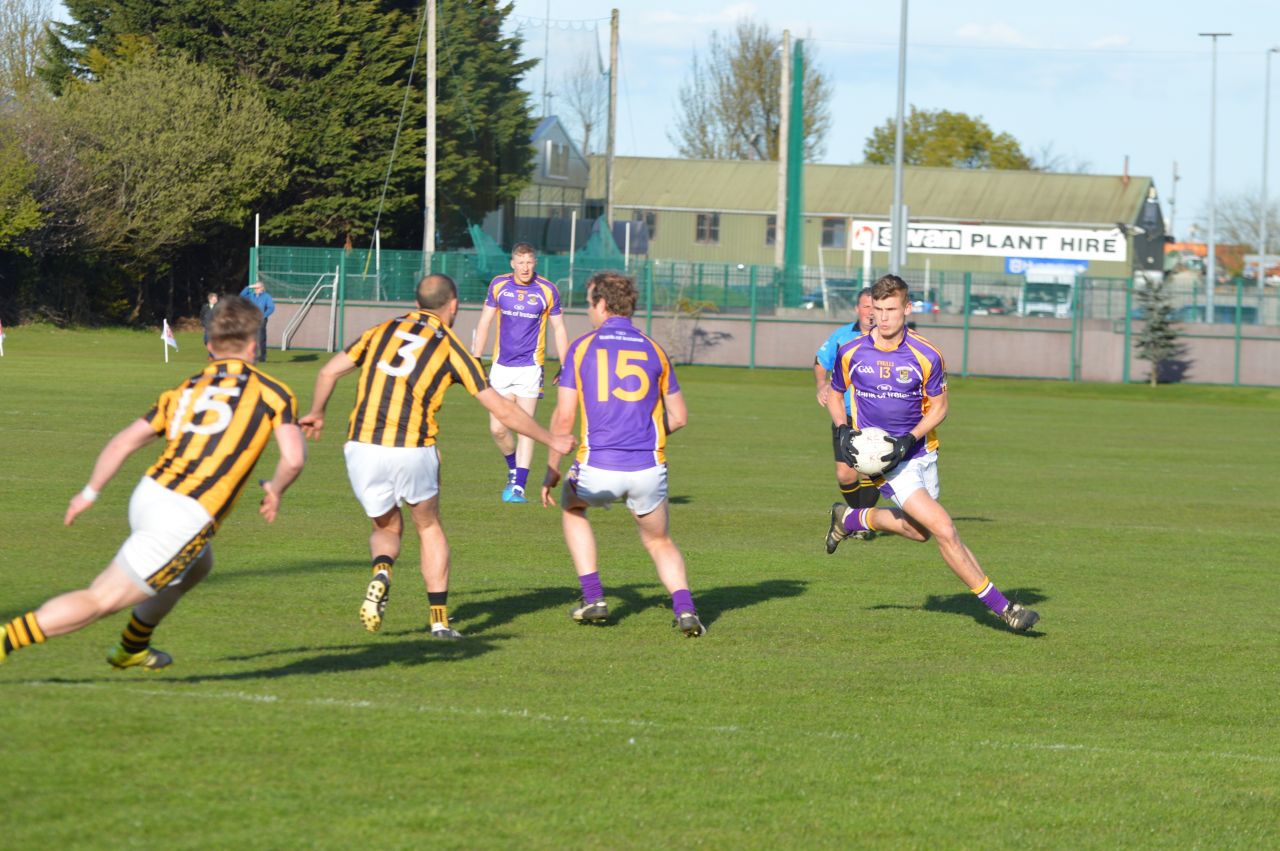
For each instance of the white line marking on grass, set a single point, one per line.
(544, 717)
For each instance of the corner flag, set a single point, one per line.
(166, 334)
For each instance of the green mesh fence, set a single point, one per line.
(735, 288)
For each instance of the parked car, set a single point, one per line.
(920, 305)
(1222, 313)
(987, 305)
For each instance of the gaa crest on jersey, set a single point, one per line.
(904, 375)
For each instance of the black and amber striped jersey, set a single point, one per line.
(406, 364)
(217, 423)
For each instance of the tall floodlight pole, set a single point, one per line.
(1173, 201)
(793, 257)
(1266, 124)
(784, 139)
(429, 184)
(613, 119)
(898, 225)
(1211, 265)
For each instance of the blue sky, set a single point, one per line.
(1092, 81)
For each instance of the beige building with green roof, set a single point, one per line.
(724, 211)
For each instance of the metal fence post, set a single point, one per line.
(648, 297)
(1128, 331)
(964, 356)
(1239, 321)
(253, 265)
(752, 362)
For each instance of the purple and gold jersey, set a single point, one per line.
(891, 389)
(523, 310)
(621, 376)
(216, 424)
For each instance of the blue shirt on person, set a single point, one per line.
(262, 300)
(827, 352)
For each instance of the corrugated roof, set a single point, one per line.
(866, 191)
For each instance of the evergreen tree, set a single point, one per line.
(1157, 340)
(337, 74)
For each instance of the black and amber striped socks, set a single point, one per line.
(20, 632)
(137, 635)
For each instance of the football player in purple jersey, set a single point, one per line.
(522, 304)
(899, 383)
(623, 383)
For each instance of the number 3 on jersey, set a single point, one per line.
(624, 368)
(407, 355)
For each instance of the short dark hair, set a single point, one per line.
(863, 292)
(523, 248)
(889, 285)
(435, 291)
(234, 323)
(617, 289)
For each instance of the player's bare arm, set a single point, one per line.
(293, 455)
(562, 419)
(511, 416)
(482, 330)
(127, 441)
(561, 336)
(835, 407)
(675, 411)
(822, 381)
(313, 422)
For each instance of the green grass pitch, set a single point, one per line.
(863, 699)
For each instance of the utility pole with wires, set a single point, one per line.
(613, 118)
(429, 183)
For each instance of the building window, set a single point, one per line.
(650, 220)
(557, 159)
(708, 232)
(834, 232)
(771, 230)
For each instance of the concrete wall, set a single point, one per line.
(1007, 346)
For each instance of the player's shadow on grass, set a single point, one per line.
(355, 657)
(968, 604)
(480, 616)
(973, 519)
(359, 569)
(711, 602)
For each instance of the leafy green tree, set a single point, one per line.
(731, 107)
(19, 210)
(337, 74)
(152, 156)
(1157, 340)
(946, 139)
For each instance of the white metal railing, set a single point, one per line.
(324, 282)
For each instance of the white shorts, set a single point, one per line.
(381, 476)
(168, 532)
(644, 490)
(523, 381)
(911, 476)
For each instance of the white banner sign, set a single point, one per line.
(997, 241)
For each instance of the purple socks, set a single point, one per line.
(592, 590)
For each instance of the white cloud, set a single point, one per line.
(998, 33)
(1110, 41)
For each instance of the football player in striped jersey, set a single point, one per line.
(215, 425)
(406, 364)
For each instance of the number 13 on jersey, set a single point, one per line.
(625, 379)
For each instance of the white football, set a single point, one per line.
(870, 446)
